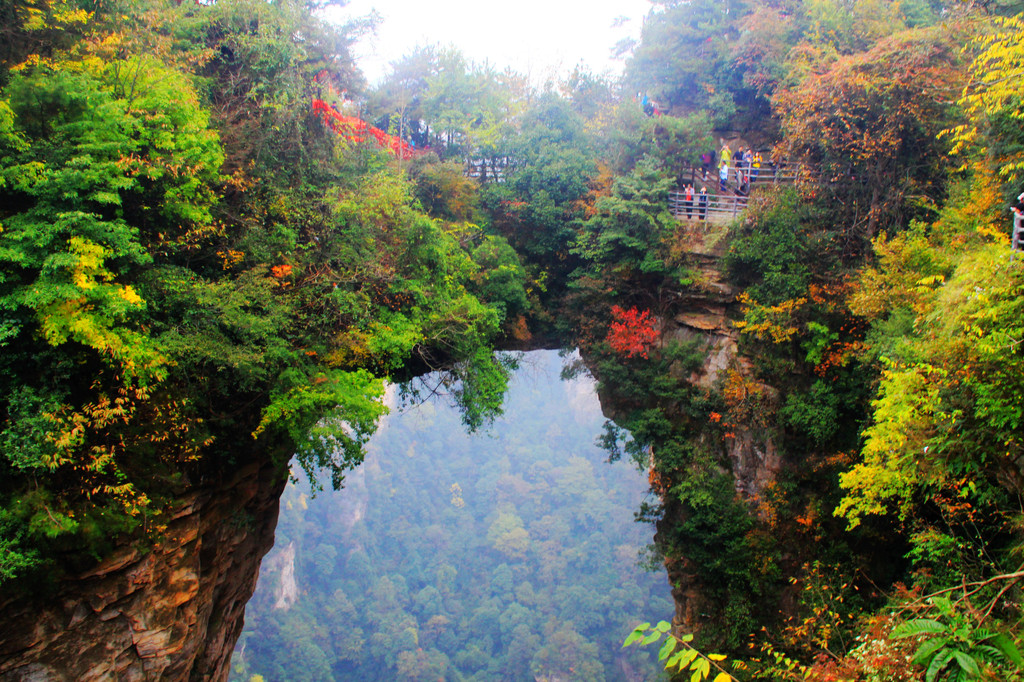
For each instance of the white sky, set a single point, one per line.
(539, 38)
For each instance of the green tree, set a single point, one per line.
(683, 60)
(625, 243)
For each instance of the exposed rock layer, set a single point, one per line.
(173, 613)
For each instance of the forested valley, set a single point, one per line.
(506, 554)
(221, 248)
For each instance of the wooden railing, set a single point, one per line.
(718, 205)
(487, 169)
(784, 173)
(729, 205)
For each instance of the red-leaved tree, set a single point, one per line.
(632, 332)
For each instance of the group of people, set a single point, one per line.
(649, 106)
(702, 202)
(747, 164)
(1018, 222)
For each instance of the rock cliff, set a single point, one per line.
(172, 613)
(706, 310)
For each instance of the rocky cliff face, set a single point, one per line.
(173, 613)
(706, 312)
(753, 459)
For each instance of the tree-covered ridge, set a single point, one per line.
(192, 261)
(879, 299)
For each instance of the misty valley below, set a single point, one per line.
(511, 553)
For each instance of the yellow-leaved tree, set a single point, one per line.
(992, 98)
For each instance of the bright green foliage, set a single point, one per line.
(102, 165)
(90, 156)
(677, 142)
(328, 416)
(773, 260)
(467, 108)
(255, 65)
(462, 103)
(955, 647)
(678, 653)
(903, 423)
(544, 193)
(482, 381)
(501, 277)
(952, 410)
(400, 280)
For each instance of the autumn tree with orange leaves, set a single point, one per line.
(867, 127)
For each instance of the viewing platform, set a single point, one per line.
(725, 206)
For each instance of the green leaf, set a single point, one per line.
(944, 605)
(967, 663)
(667, 648)
(685, 659)
(918, 626)
(1009, 649)
(633, 637)
(928, 649)
(653, 637)
(663, 626)
(937, 665)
